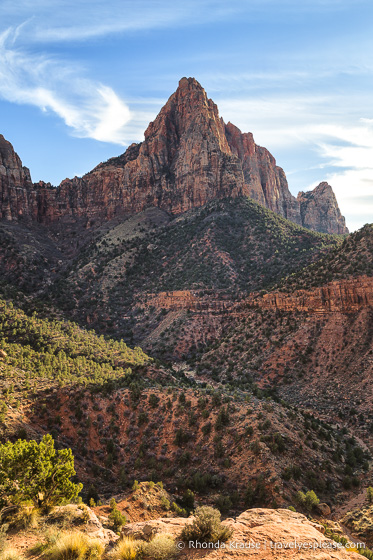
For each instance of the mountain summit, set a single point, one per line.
(189, 157)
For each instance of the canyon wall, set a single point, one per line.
(340, 296)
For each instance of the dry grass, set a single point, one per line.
(27, 517)
(127, 549)
(75, 546)
(11, 554)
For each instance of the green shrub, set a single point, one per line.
(311, 500)
(162, 547)
(308, 500)
(116, 517)
(181, 512)
(300, 498)
(36, 472)
(187, 500)
(206, 527)
(223, 503)
(165, 503)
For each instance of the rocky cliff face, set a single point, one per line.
(256, 533)
(341, 296)
(319, 210)
(15, 184)
(188, 158)
(264, 181)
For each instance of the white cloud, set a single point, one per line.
(90, 109)
(311, 127)
(350, 150)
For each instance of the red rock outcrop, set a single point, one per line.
(319, 210)
(340, 296)
(187, 299)
(15, 184)
(188, 158)
(264, 181)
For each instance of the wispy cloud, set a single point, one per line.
(90, 109)
(80, 20)
(323, 125)
(350, 151)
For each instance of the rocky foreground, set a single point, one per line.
(257, 533)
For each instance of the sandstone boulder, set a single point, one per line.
(324, 509)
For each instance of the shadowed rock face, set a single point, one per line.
(15, 184)
(188, 158)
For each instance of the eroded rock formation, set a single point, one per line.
(340, 296)
(319, 210)
(188, 158)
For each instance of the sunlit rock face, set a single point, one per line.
(188, 158)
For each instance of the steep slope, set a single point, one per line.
(188, 158)
(219, 252)
(351, 259)
(147, 424)
(315, 344)
(56, 353)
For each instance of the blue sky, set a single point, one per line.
(79, 81)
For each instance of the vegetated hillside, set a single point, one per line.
(37, 354)
(126, 418)
(353, 258)
(321, 362)
(311, 340)
(28, 260)
(234, 449)
(234, 246)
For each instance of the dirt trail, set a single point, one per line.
(355, 502)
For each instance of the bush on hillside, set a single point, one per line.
(309, 500)
(162, 547)
(116, 517)
(206, 527)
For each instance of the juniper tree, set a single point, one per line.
(36, 472)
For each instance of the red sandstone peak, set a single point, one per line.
(15, 185)
(187, 110)
(188, 158)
